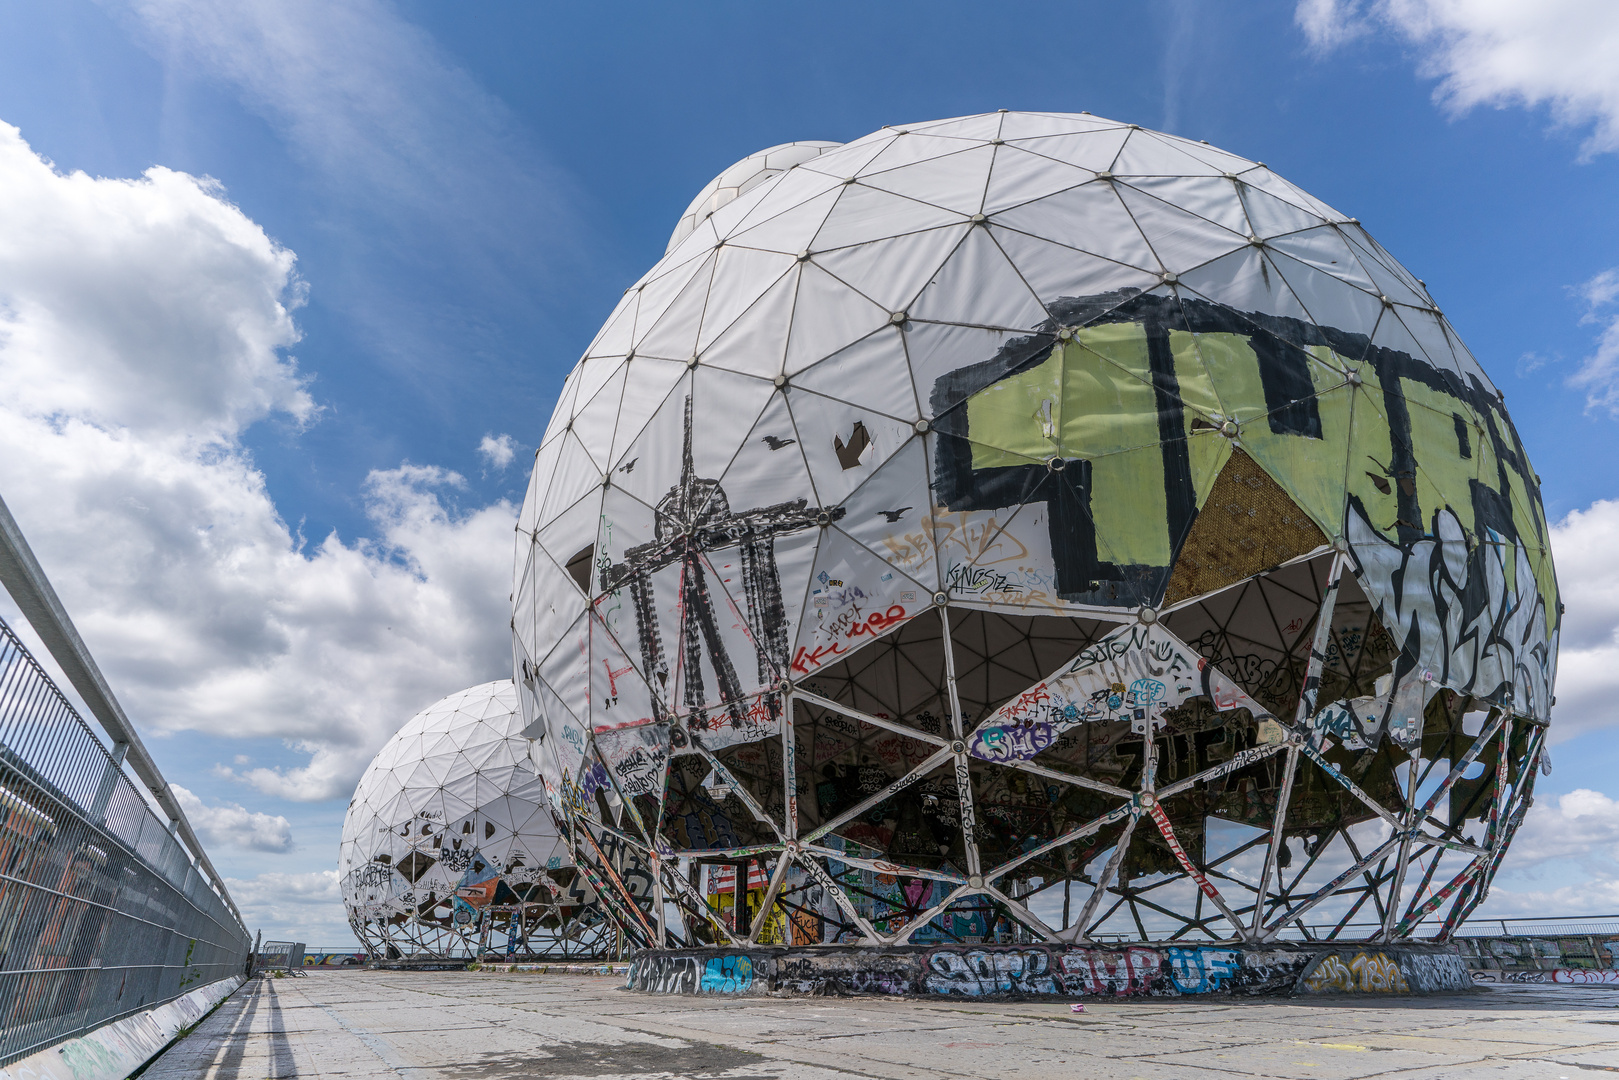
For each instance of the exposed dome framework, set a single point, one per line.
(1033, 527)
(449, 845)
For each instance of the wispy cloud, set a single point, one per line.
(417, 165)
(1598, 373)
(1553, 53)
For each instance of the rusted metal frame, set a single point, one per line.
(1167, 829)
(881, 867)
(741, 792)
(1195, 921)
(624, 896)
(1079, 832)
(1240, 760)
(964, 785)
(1311, 690)
(1524, 796)
(904, 936)
(1467, 759)
(1024, 915)
(769, 899)
(1149, 774)
(1066, 778)
(1279, 821)
(928, 765)
(1402, 861)
(866, 718)
(695, 905)
(1329, 889)
(712, 854)
(839, 897)
(789, 769)
(1350, 786)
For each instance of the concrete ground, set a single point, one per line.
(486, 1026)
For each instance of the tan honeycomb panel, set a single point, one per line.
(1248, 525)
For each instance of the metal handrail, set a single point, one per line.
(26, 582)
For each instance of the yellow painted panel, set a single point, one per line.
(1108, 402)
(1006, 420)
(1130, 509)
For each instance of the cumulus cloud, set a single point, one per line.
(293, 907)
(1581, 825)
(498, 450)
(234, 824)
(1588, 660)
(143, 327)
(1553, 53)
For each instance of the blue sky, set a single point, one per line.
(468, 188)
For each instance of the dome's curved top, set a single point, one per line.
(452, 789)
(1025, 363)
(741, 178)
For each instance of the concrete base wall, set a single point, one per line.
(113, 1051)
(1055, 971)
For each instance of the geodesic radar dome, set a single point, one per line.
(741, 178)
(449, 845)
(1025, 526)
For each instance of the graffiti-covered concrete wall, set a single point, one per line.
(1055, 971)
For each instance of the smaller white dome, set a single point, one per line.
(742, 177)
(449, 825)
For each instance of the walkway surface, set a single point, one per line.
(478, 1026)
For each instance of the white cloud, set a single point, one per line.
(1588, 659)
(143, 327)
(498, 450)
(234, 824)
(1330, 23)
(304, 907)
(1582, 825)
(1553, 53)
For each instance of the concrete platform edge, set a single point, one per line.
(113, 1051)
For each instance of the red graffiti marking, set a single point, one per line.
(1162, 821)
(612, 676)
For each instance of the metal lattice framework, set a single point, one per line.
(1031, 527)
(449, 847)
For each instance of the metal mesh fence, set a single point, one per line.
(102, 913)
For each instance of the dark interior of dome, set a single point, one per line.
(1258, 632)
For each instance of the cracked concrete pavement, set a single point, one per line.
(507, 1026)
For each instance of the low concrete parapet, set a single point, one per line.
(1550, 977)
(1071, 971)
(113, 1051)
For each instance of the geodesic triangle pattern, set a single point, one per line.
(450, 840)
(1021, 503)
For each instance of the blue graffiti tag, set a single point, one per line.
(727, 975)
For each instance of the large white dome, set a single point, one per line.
(450, 825)
(935, 501)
